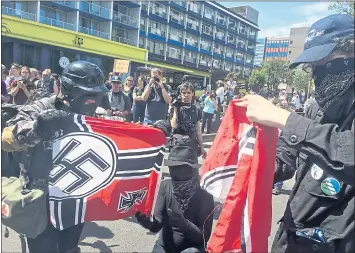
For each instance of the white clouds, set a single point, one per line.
(306, 13)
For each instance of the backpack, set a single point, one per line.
(23, 210)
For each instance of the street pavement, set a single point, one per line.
(128, 236)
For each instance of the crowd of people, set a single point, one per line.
(318, 146)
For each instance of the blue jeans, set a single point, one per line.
(138, 113)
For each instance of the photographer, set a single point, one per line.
(157, 97)
(20, 89)
(186, 117)
(138, 103)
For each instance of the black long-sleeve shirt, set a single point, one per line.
(306, 143)
(193, 231)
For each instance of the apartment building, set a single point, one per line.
(259, 52)
(179, 37)
(276, 48)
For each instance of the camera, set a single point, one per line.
(177, 102)
(156, 79)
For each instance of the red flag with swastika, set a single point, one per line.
(239, 170)
(103, 170)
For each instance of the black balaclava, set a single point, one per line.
(334, 84)
(185, 184)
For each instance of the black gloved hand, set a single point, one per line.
(177, 220)
(143, 220)
(50, 124)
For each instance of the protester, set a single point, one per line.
(128, 91)
(264, 92)
(20, 88)
(220, 95)
(5, 98)
(296, 101)
(186, 118)
(33, 75)
(14, 73)
(208, 112)
(157, 97)
(37, 124)
(319, 214)
(120, 104)
(138, 103)
(183, 210)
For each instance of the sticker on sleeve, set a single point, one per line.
(316, 172)
(330, 186)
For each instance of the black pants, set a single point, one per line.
(138, 113)
(160, 249)
(52, 240)
(206, 117)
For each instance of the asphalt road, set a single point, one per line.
(128, 236)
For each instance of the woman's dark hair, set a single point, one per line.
(186, 86)
(25, 67)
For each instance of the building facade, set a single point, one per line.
(259, 52)
(297, 39)
(276, 48)
(247, 12)
(179, 37)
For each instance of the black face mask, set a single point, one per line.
(332, 81)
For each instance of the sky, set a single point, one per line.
(276, 18)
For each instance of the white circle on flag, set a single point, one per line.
(316, 172)
(63, 62)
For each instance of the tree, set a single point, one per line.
(346, 7)
(278, 71)
(301, 80)
(257, 79)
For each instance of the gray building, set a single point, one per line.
(297, 38)
(246, 12)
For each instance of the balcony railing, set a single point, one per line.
(124, 40)
(57, 23)
(156, 11)
(18, 13)
(190, 59)
(125, 19)
(156, 31)
(94, 9)
(71, 4)
(93, 32)
(194, 8)
(180, 3)
(177, 19)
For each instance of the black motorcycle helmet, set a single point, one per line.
(83, 86)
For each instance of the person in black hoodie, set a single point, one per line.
(183, 211)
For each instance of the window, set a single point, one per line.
(221, 19)
(230, 52)
(143, 24)
(176, 17)
(207, 29)
(205, 59)
(220, 34)
(190, 56)
(156, 47)
(228, 66)
(209, 13)
(157, 28)
(158, 9)
(219, 49)
(194, 6)
(121, 9)
(231, 38)
(206, 45)
(145, 6)
(193, 23)
(174, 52)
(141, 42)
(53, 14)
(118, 32)
(89, 24)
(17, 5)
(175, 34)
(242, 29)
(232, 24)
(191, 40)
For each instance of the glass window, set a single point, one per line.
(231, 38)
(230, 52)
(53, 14)
(209, 12)
(156, 47)
(176, 16)
(157, 28)
(174, 52)
(219, 49)
(158, 9)
(194, 6)
(175, 34)
(143, 24)
(221, 19)
(141, 42)
(206, 45)
(220, 34)
(232, 24)
(207, 29)
(191, 40)
(119, 32)
(205, 59)
(193, 23)
(121, 9)
(191, 56)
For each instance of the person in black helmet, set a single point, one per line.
(36, 125)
